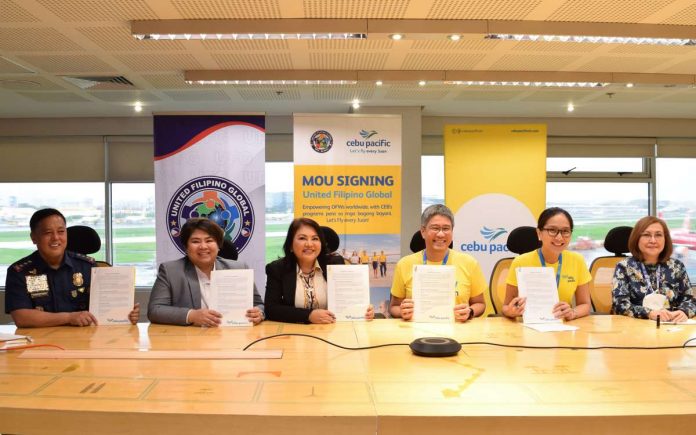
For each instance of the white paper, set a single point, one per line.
(348, 291)
(538, 285)
(112, 294)
(11, 337)
(550, 327)
(232, 294)
(433, 293)
(685, 322)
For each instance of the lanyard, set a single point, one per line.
(558, 271)
(444, 260)
(647, 278)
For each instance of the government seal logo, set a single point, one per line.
(217, 199)
(321, 141)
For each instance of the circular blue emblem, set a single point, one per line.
(217, 199)
(321, 141)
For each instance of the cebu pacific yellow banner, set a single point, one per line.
(495, 181)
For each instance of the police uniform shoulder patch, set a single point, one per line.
(23, 265)
(83, 257)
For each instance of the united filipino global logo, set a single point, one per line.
(321, 141)
(217, 199)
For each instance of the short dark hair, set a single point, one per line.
(292, 230)
(638, 229)
(551, 212)
(42, 214)
(203, 224)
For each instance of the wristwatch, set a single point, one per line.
(471, 313)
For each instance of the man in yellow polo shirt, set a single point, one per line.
(437, 223)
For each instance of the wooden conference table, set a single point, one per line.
(316, 388)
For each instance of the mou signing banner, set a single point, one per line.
(348, 177)
(495, 181)
(211, 166)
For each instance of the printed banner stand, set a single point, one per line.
(495, 181)
(348, 177)
(211, 166)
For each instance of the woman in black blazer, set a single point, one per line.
(303, 267)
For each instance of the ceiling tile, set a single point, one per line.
(12, 12)
(348, 60)
(100, 10)
(53, 97)
(35, 39)
(160, 62)
(72, 63)
(198, 95)
(607, 11)
(482, 9)
(201, 9)
(253, 61)
(528, 62)
(387, 9)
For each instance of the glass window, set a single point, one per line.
(280, 203)
(596, 208)
(675, 204)
(133, 225)
(80, 203)
(432, 185)
(593, 164)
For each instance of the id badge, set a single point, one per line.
(655, 301)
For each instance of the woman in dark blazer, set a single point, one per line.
(303, 267)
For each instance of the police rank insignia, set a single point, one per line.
(73, 293)
(77, 279)
(37, 285)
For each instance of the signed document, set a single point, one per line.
(112, 294)
(433, 293)
(232, 294)
(348, 291)
(538, 285)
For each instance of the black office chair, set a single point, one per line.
(331, 238)
(602, 268)
(228, 250)
(418, 243)
(520, 240)
(84, 240)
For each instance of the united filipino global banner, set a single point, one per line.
(348, 177)
(495, 181)
(211, 166)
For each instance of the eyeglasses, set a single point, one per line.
(553, 232)
(655, 236)
(435, 230)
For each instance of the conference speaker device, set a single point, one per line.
(435, 346)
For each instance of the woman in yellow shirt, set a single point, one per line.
(554, 228)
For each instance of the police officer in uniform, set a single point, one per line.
(50, 287)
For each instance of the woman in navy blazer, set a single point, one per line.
(305, 261)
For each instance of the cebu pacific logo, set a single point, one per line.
(491, 234)
(321, 141)
(217, 199)
(367, 134)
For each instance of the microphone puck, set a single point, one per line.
(435, 346)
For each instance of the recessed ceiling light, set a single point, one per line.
(454, 37)
(138, 107)
(629, 85)
(421, 83)
(356, 104)
(571, 107)
(378, 83)
(396, 36)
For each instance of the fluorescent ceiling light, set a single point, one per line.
(248, 36)
(271, 82)
(594, 39)
(531, 84)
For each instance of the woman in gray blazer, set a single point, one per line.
(180, 293)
